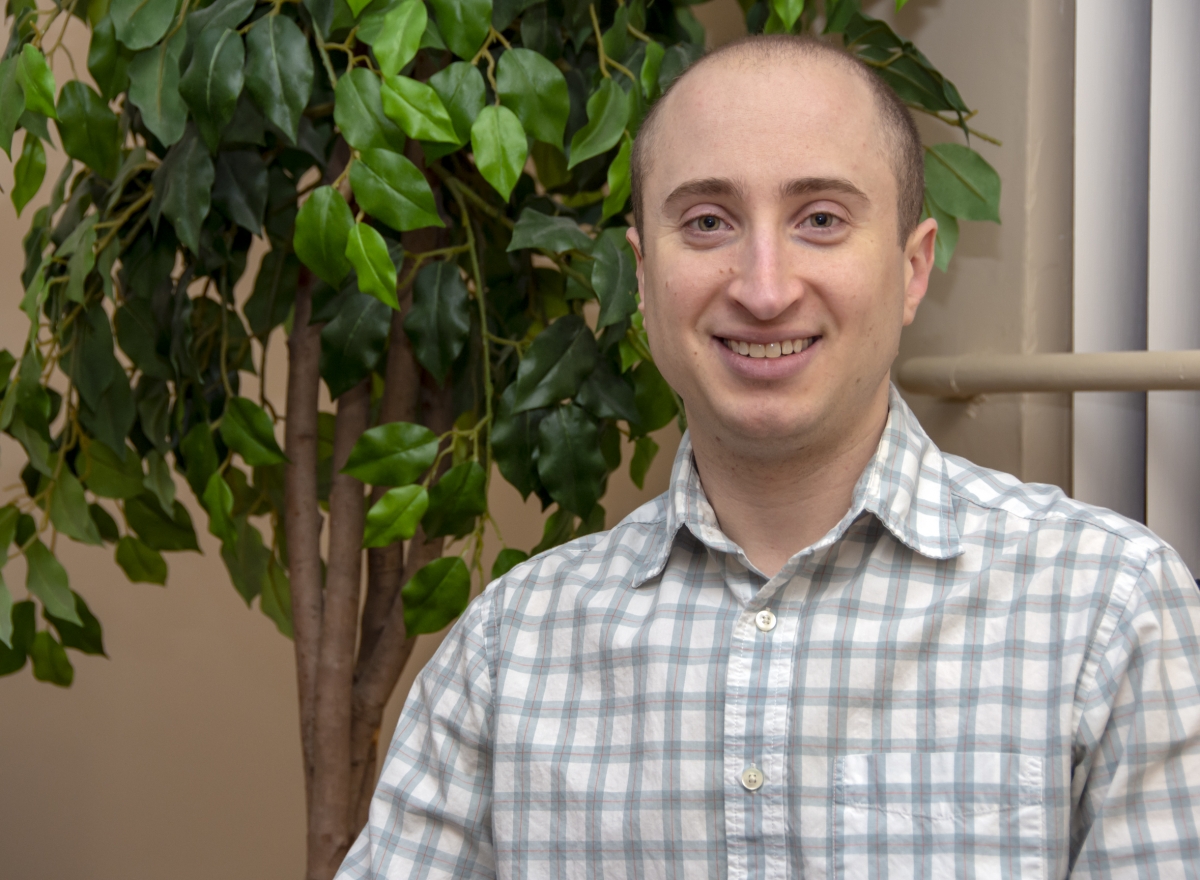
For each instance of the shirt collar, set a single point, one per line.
(905, 486)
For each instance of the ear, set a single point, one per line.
(918, 264)
(635, 242)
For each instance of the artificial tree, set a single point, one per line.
(442, 187)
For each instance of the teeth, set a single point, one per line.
(769, 349)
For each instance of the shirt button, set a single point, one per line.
(752, 778)
(765, 620)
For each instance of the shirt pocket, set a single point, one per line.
(939, 815)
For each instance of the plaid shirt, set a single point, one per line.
(967, 677)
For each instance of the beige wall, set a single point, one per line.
(178, 756)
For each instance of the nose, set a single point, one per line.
(766, 284)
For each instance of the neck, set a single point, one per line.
(776, 504)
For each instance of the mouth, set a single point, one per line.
(784, 348)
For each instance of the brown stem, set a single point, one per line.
(302, 518)
(378, 672)
(329, 820)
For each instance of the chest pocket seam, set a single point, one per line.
(954, 783)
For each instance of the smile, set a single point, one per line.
(769, 349)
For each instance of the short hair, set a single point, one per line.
(902, 140)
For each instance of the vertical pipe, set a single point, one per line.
(1112, 91)
(1173, 307)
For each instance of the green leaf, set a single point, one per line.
(606, 395)
(9, 514)
(240, 188)
(248, 430)
(947, 234)
(29, 172)
(22, 621)
(536, 91)
(392, 454)
(463, 94)
(36, 81)
(368, 254)
(500, 148)
(962, 183)
(322, 230)
(146, 518)
(46, 579)
(557, 530)
(86, 636)
(644, 450)
(105, 524)
(183, 188)
(218, 501)
(455, 500)
(107, 476)
(353, 343)
(395, 516)
(115, 414)
(89, 130)
(218, 16)
(417, 109)
(142, 23)
(618, 182)
(390, 187)
(435, 595)
(213, 81)
(400, 36)
(12, 102)
(154, 88)
(506, 560)
(614, 277)
(277, 598)
(279, 71)
(69, 510)
(570, 463)
(608, 111)
(159, 482)
(463, 24)
(358, 112)
(439, 321)
(556, 234)
(514, 443)
(651, 67)
(82, 258)
(274, 292)
(108, 61)
(50, 663)
(142, 564)
(6, 624)
(247, 559)
(653, 396)
(557, 362)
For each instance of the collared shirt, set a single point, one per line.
(966, 677)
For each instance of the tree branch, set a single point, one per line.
(302, 518)
(329, 820)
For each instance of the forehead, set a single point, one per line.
(761, 120)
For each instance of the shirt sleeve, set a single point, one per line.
(1137, 806)
(431, 815)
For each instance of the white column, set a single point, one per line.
(1173, 307)
(1112, 89)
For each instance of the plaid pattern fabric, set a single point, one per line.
(968, 677)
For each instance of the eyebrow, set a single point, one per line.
(723, 186)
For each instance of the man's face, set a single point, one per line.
(770, 225)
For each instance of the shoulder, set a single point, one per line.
(598, 564)
(1011, 506)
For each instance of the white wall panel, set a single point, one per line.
(1112, 85)
(1173, 294)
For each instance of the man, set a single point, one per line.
(828, 650)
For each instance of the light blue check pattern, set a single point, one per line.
(969, 677)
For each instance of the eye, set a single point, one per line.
(823, 220)
(707, 223)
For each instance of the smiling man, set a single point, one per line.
(828, 650)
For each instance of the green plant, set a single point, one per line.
(461, 311)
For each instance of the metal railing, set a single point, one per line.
(965, 376)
